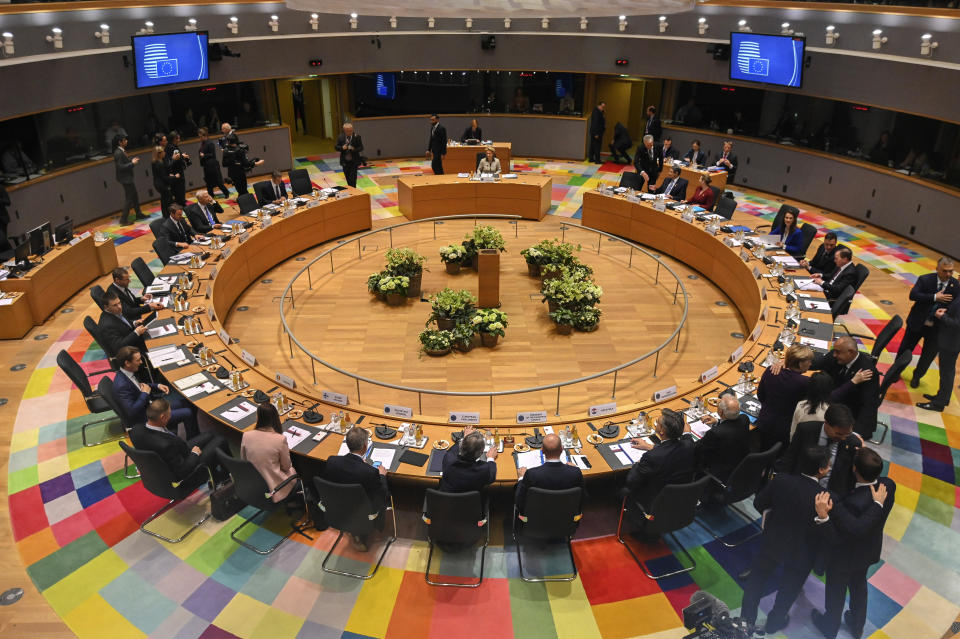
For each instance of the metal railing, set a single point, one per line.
(288, 292)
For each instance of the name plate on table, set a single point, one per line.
(737, 354)
(342, 194)
(755, 335)
(459, 417)
(398, 411)
(75, 241)
(225, 253)
(666, 393)
(633, 198)
(660, 205)
(210, 313)
(602, 409)
(744, 256)
(756, 272)
(213, 273)
(532, 417)
(285, 380)
(243, 237)
(728, 241)
(248, 358)
(209, 291)
(764, 313)
(265, 222)
(709, 374)
(763, 293)
(224, 336)
(335, 398)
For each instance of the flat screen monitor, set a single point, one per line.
(41, 239)
(170, 58)
(387, 86)
(64, 232)
(21, 254)
(767, 59)
(563, 84)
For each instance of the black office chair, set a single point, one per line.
(156, 227)
(674, 508)
(300, 183)
(164, 250)
(480, 156)
(886, 334)
(105, 391)
(254, 491)
(93, 329)
(841, 305)
(725, 207)
(716, 197)
(247, 203)
(142, 271)
(548, 514)
(862, 274)
(456, 520)
(744, 482)
(347, 508)
(97, 293)
(809, 231)
(95, 403)
(631, 180)
(160, 480)
(264, 192)
(889, 379)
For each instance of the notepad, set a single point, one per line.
(817, 305)
(295, 435)
(206, 387)
(160, 331)
(239, 412)
(190, 380)
(384, 456)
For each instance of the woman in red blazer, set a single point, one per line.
(703, 196)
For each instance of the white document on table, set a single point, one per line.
(206, 387)
(529, 459)
(295, 435)
(699, 428)
(239, 412)
(817, 305)
(160, 331)
(633, 453)
(384, 456)
(191, 380)
(815, 343)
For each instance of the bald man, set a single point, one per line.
(553, 474)
(350, 146)
(727, 442)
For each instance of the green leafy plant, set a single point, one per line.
(452, 254)
(571, 292)
(563, 316)
(397, 284)
(550, 251)
(492, 321)
(435, 340)
(462, 332)
(451, 304)
(486, 237)
(373, 281)
(404, 261)
(587, 317)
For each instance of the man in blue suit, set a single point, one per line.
(930, 292)
(134, 395)
(674, 186)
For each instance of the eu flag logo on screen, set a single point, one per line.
(766, 58)
(170, 58)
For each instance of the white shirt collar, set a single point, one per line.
(130, 376)
(159, 429)
(865, 483)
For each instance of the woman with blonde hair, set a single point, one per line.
(490, 163)
(161, 180)
(779, 394)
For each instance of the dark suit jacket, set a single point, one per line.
(198, 220)
(806, 436)
(621, 137)
(131, 397)
(778, 395)
(847, 277)
(948, 337)
(857, 523)
(116, 333)
(724, 446)
(598, 122)
(822, 261)
(350, 469)
(790, 534)
(700, 159)
(161, 176)
(462, 476)
(654, 127)
(124, 165)
(679, 191)
(643, 162)
(862, 399)
(174, 452)
(133, 306)
(673, 153)
(437, 142)
(732, 171)
(554, 475)
(793, 243)
(266, 191)
(346, 155)
(669, 462)
(471, 134)
(177, 232)
(922, 295)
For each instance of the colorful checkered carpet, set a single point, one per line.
(75, 520)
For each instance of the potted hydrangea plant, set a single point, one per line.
(435, 343)
(373, 284)
(563, 319)
(395, 288)
(409, 263)
(452, 257)
(587, 319)
(490, 323)
(483, 236)
(448, 306)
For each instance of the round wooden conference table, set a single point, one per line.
(227, 273)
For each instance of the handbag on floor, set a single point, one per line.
(224, 502)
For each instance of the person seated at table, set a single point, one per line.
(621, 143)
(135, 395)
(490, 163)
(176, 230)
(674, 186)
(728, 160)
(553, 474)
(203, 214)
(843, 276)
(727, 442)
(779, 392)
(353, 469)
(133, 305)
(695, 156)
(822, 261)
(668, 151)
(472, 132)
(704, 195)
(670, 461)
(117, 331)
(265, 446)
(791, 238)
(464, 466)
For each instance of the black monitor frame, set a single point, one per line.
(38, 246)
(63, 232)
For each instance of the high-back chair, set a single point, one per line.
(456, 520)
(548, 514)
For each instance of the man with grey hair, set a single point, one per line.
(727, 442)
(465, 468)
(929, 293)
(203, 214)
(353, 468)
(350, 146)
(649, 162)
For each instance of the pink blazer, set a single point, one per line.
(270, 455)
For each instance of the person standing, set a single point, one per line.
(350, 146)
(125, 164)
(212, 176)
(653, 127)
(948, 347)
(177, 161)
(162, 180)
(648, 162)
(598, 124)
(931, 292)
(436, 145)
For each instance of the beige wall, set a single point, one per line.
(616, 93)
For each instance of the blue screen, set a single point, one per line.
(170, 58)
(387, 86)
(770, 59)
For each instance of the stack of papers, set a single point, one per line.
(171, 354)
(181, 258)
(160, 331)
(239, 412)
(817, 305)
(295, 435)
(699, 428)
(805, 284)
(625, 453)
(534, 458)
(206, 387)
(190, 380)
(384, 456)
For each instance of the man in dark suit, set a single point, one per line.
(553, 474)
(822, 262)
(463, 468)
(668, 152)
(124, 165)
(648, 161)
(353, 469)
(598, 124)
(653, 127)
(203, 214)
(948, 347)
(436, 145)
(856, 380)
(727, 442)
(845, 275)
(672, 460)
(177, 166)
(350, 146)
(856, 531)
(134, 395)
(621, 143)
(116, 330)
(728, 161)
(674, 186)
(837, 436)
(181, 457)
(930, 292)
(176, 230)
(792, 532)
(133, 305)
(270, 191)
